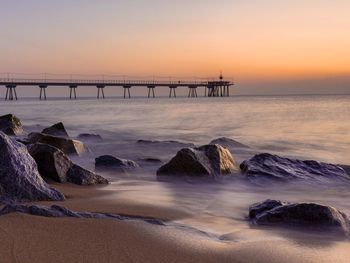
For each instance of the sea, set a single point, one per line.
(315, 127)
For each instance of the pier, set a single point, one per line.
(212, 87)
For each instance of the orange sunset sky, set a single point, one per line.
(276, 46)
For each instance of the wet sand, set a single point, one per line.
(25, 238)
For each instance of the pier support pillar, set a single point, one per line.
(151, 87)
(42, 92)
(172, 91)
(11, 93)
(127, 91)
(192, 92)
(73, 92)
(100, 88)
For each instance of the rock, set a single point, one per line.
(150, 160)
(11, 125)
(57, 129)
(60, 211)
(273, 167)
(81, 176)
(55, 164)
(19, 176)
(208, 160)
(229, 143)
(273, 212)
(108, 162)
(68, 146)
(89, 137)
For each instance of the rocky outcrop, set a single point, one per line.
(268, 166)
(229, 143)
(19, 176)
(56, 165)
(67, 146)
(346, 168)
(89, 137)
(57, 129)
(60, 211)
(208, 160)
(108, 162)
(11, 125)
(311, 215)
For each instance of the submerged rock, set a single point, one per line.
(108, 162)
(19, 176)
(272, 212)
(55, 164)
(283, 169)
(89, 137)
(208, 160)
(57, 129)
(229, 143)
(68, 146)
(150, 160)
(11, 125)
(60, 211)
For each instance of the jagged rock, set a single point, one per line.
(11, 125)
(208, 160)
(54, 164)
(19, 176)
(60, 211)
(310, 215)
(229, 143)
(89, 137)
(57, 129)
(68, 146)
(81, 176)
(108, 162)
(273, 167)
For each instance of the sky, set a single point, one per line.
(267, 46)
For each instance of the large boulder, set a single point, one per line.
(268, 166)
(67, 146)
(19, 176)
(108, 162)
(57, 129)
(208, 160)
(229, 143)
(56, 165)
(311, 215)
(11, 125)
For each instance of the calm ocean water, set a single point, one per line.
(302, 126)
(311, 127)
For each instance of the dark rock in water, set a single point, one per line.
(268, 166)
(165, 142)
(11, 125)
(54, 164)
(150, 160)
(108, 162)
(19, 176)
(259, 208)
(57, 129)
(68, 146)
(60, 211)
(208, 160)
(89, 137)
(229, 143)
(24, 141)
(81, 176)
(310, 215)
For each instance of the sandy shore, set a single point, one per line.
(25, 238)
